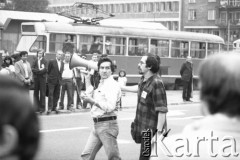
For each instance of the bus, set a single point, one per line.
(123, 44)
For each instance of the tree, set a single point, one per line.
(29, 5)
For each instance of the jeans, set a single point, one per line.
(103, 134)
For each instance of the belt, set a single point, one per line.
(101, 119)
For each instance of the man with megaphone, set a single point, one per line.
(104, 100)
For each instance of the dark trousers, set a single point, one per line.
(187, 90)
(40, 87)
(67, 85)
(53, 95)
(79, 86)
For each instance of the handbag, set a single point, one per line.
(135, 135)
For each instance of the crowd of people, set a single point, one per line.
(219, 92)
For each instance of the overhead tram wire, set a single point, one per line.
(88, 6)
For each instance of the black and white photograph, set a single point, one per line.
(119, 79)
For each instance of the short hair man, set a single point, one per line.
(67, 84)
(186, 72)
(19, 125)
(55, 69)
(104, 103)
(39, 69)
(23, 70)
(152, 101)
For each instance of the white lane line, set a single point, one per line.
(183, 118)
(64, 129)
(168, 118)
(122, 141)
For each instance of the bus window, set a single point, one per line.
(115, 45)
(137, 46)
(213, 48)
(64, 42)
(160, 47)
(96, 46)
(198, 49)
(39, 43)
(179, 49)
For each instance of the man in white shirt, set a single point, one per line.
(67, 83)
(104, 102)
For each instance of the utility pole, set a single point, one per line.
(228, 30)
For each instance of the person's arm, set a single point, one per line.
(34, 67)
(130, 88)
(161, 121)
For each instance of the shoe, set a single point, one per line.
(49, 112)
(71, 109)
(61, 106)
(79, 107)
(189, 100)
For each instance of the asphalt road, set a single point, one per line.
(64, 136)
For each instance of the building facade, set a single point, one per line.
(219, 17)
(229, 20)
(167, 12)
(200, 16)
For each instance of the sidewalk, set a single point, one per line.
(174, 97)
(130, 100)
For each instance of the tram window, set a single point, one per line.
(198, 49)
(160, 47)
(213, 48)
(179, 49)
(65, 42)
(96, 45)
(137, 47)
(90, 44)
(40, 43)
(115, 45)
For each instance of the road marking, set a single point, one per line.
(183, 118)
(122, 141)
(64, 129)
(176, 113)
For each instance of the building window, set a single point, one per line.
(211, 14)
(139, 7)
(211, 0)
(192, 14)
(163, 7)
(192, 1)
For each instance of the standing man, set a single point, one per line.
(55, 69)
(186, 72)
(104, 112)
(67, 83)
(39, 69)
(152, 102)
(23, 70)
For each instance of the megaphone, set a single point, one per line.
(77, 61)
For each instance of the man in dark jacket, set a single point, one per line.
(39, 69)
(55, 69)
(186, 72)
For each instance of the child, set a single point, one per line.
(122, 80)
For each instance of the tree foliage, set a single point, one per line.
(29, 5)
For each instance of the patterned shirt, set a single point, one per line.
(152, 99)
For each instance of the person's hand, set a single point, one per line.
(74, 81)
(87, 98)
